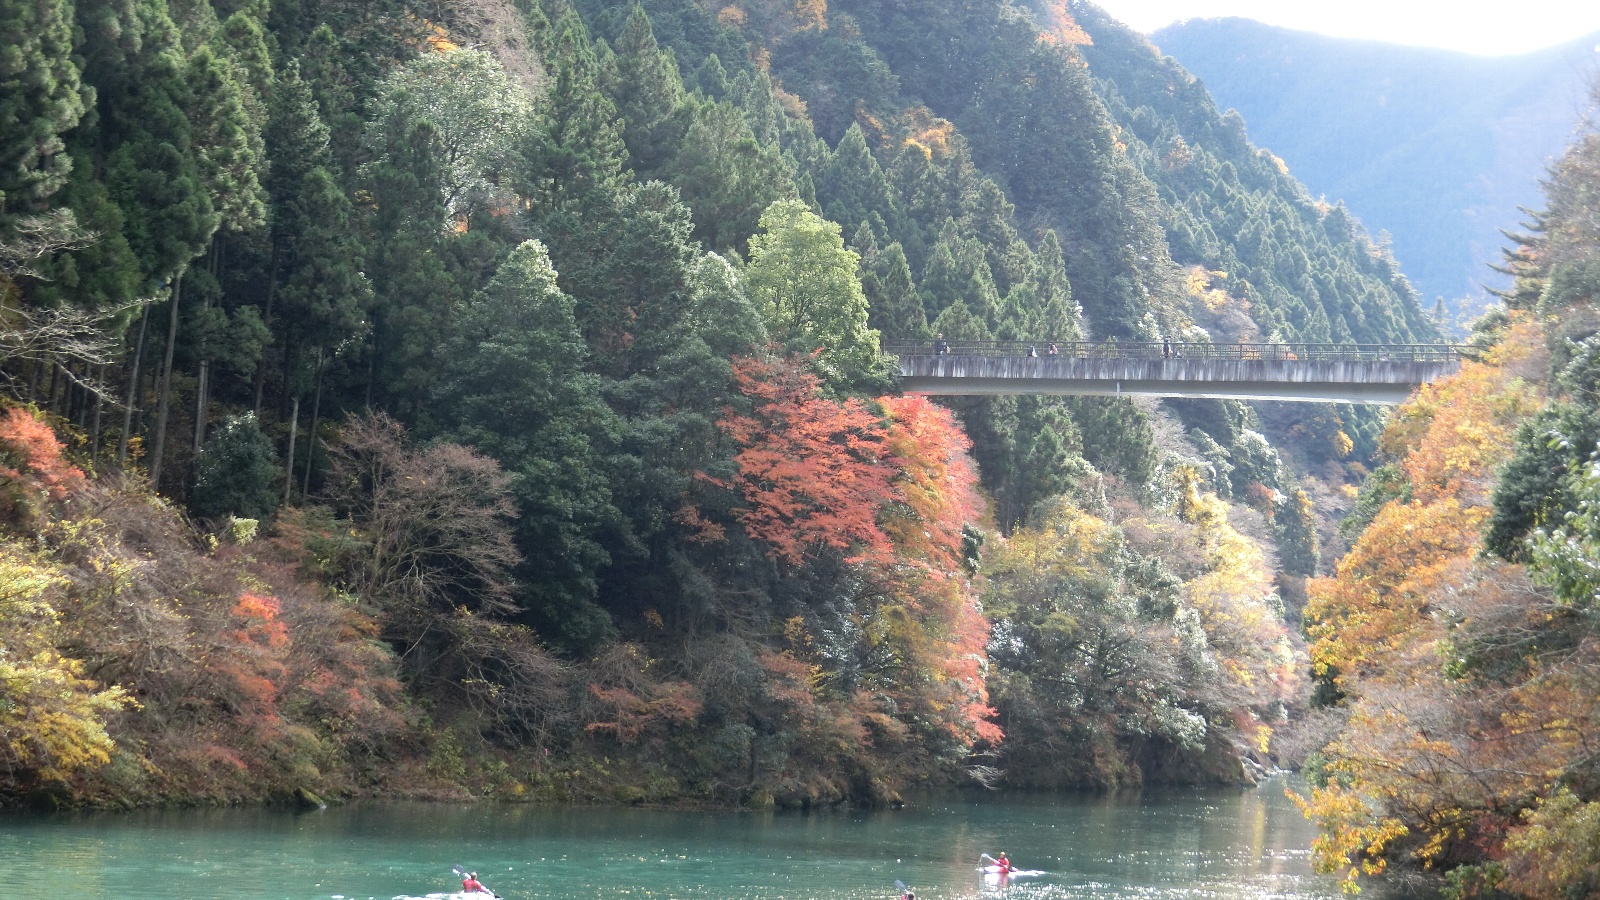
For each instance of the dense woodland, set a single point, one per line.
(1455, 646)
(486, 399)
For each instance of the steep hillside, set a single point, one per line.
(541, 344)
(1456, 645)
(1437, 148)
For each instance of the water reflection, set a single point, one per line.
(1158, 844)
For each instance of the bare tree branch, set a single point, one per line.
(33, 238)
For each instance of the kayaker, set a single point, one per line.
(471, 884)
(1003, 863)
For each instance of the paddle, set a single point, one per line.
(901, 885)
(461, 872)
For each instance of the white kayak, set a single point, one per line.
(1015, 873)
(453, 895)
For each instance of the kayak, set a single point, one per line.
(1015, 873)
(453, 895)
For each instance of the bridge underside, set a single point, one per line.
(1342, 381)
(1311, 393)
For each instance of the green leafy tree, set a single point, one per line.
(237, 472)
(477, 115)
(804, 281)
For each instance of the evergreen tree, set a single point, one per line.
(895, 307)
(646, 89)
(413, 291)
(41, 98)
(237, 473)
(1057, 317)
(852, 187)
(576, 149)
(727, 176)
(512, 384)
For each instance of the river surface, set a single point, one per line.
(1155, 844)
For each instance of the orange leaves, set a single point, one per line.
(30, 455)
(935, 488)
(263, 627)
(818, 474)
(1456, 432)
(890, 492)
(671, 702)
(813, 471)
(1448, 441)
(1383, 588)
(262, 642)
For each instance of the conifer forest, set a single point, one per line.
(487, 399)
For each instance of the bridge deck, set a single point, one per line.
(1348, 373)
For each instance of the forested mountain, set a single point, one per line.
(488, 398)
(1455, 646)
(1437, 148)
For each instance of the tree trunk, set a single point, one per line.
(201, 401)
(311, 436)
(99, 404)
(202, 381)
(288, 479)
(55, 379)
(133, 390)
(266, 317)
(165, 401)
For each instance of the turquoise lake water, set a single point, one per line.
(1155, 844)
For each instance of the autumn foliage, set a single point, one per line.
(886, 489)
(814, 473)
(1468, 689)
(33, 468)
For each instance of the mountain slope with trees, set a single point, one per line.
(1455, 644)
(1438, 149)
(517, 367)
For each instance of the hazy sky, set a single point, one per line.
(1473, 26)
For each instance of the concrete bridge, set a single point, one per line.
(1323, 373)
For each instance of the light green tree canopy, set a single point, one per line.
(478, 114)
(803, 279)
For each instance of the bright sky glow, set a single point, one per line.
(1471, 26)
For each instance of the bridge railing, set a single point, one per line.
(1112, 349)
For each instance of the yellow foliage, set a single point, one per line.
(929, 132)
(51, 717)
(1353, 837)
(1380, 593)
(1060, 28)
(810, 14)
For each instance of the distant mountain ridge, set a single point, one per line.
(1436, 147)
